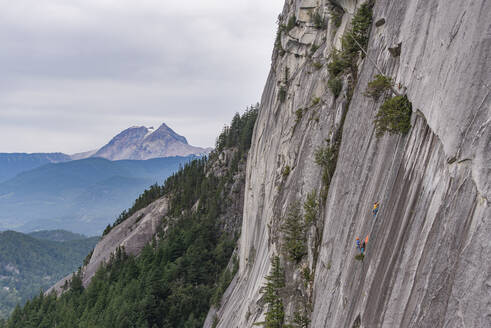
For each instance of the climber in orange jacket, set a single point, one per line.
(364, 245)
(361, 246)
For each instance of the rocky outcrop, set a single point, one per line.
(141, 143)
(428, 255)
(132, 235)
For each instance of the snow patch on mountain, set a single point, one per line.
(141, 143)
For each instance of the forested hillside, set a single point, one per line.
(176, 278)
(29, 263)
(57, 235)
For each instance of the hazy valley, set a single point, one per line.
(52, 191)
(33, 262)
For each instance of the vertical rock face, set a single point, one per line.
(428, 255)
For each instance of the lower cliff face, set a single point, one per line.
(428, 256)
(132, 235)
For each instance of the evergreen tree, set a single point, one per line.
(275, 315)
(295, 234)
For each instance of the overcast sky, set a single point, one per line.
(74, 73)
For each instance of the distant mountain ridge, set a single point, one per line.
(84, 192)
(81, 196)
(12, 164)
(142, 143)
(134, 143)
(57, 235)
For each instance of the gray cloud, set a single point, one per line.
(75, 73)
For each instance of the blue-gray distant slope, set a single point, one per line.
(81, 196)
(12, 164)
(57, 235)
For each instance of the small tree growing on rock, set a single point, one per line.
(292, 22)
(378, 86)
(318, 20)
(311, 208)
(295, 235)
(335, 85)
(394, 116)
(282, 94)
(275, 315)
(326, 157)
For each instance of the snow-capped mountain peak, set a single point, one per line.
(140, 143)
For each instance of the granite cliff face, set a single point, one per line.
(428, 256)
(132, 235)
(141, 143)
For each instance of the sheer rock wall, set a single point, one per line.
(428, 259)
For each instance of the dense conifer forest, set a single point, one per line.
(29, 263)
(177, 276)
